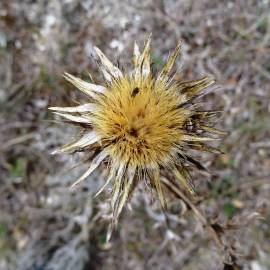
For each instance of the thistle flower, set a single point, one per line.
(141, 125)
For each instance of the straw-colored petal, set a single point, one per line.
(73, 118)
(187, 184)
(87, 139)
(206, 148)
(127, 185)
(109, 70)
(165, 72)
(89, 107)
(213, 130)
(192, 89)
(136, 54)
(117, 184)
(87, 88)
(109, 179)
(154, 176)
(94, 164)
(194, 138)
(142, 65)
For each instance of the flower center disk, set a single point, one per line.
(140, 121)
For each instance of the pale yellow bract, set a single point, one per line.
(140, 125)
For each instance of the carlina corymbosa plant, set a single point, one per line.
(143, 125)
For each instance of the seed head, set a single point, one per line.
(141, 125)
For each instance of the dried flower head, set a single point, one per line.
(141, 125)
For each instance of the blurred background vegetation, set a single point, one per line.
(44, 225)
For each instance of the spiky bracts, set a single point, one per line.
(142, 126)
